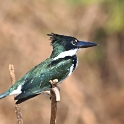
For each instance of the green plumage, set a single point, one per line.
(59, 65)
(37, 79)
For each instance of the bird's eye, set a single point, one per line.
(74, 42)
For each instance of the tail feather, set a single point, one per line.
(25, 98)
(4, 94)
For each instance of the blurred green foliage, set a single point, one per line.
(114, 8)
(116, 15)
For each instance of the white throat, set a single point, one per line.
(66, 53)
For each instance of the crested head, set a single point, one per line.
(63, 41)
(59, 38)
(67, 45)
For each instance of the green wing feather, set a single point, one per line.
(37, 80)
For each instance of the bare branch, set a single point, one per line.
(17, 107)
(55, 96)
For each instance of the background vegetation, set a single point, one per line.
(94, 94)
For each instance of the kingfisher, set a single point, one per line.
(61, 63)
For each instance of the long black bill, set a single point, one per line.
(82, 44)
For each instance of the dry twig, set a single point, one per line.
(17, 107)
(55, 97)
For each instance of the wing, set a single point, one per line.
(38, 80)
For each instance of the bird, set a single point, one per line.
(61, 63)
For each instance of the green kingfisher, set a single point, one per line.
(61, 63)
